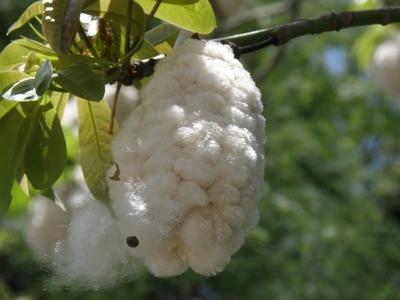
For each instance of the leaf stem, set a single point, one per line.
(128, 56)
(152, 13)
(128, 27)
(114, 108)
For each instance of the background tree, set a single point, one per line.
(329, 216)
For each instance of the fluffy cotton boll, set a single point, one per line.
(385, 64)
(93, 254)
(191, 162)
(47, 224)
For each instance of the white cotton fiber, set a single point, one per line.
(47, 224)
(192, 162)
(93, 254)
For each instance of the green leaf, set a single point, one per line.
(81, 82)
(35, 9)
(14, 132)
(94, 145)
(31, 89)
(60, 19)
(13, 54)
(23, 90)
(193, 15)
(161, 33)
(46, 154)
(7, 78)
(90, 62)
(163, 37)
(59, 101)
(43, 78)
(32, 63)
(37, 47)
(146, 51)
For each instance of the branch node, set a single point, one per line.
(386, 20)
(282, 35)
(235, 48)
(347, 18)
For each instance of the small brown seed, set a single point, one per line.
(132, 241)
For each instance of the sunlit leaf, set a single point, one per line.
(94, 145)
(7, 78)
(81, 82)
(14, 132)
(13, 54)
(43, 78)
(46, 154)
(60, 19)
(59, 101)
(37, 47)
(193, 15)
(32, 63)
(146, 51)
(31, 89)
(23, 90)
(35, 9)
(36, 31)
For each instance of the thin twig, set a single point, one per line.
(127, 57)
(328, 22)
(271, 40)
(126, 52)
(280, 35)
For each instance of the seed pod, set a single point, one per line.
(132, 241)
(192, 161)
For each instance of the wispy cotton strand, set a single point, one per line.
(192, 162)
(48, 224)
(93, 255)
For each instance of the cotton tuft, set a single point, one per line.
(47, 224)
(93, 254)
(191, 163)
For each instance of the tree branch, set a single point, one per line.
(328, 22)
(280, 35)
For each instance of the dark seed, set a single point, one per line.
(132, 241)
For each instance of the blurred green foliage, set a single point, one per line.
(330, 214)
(10, 10)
